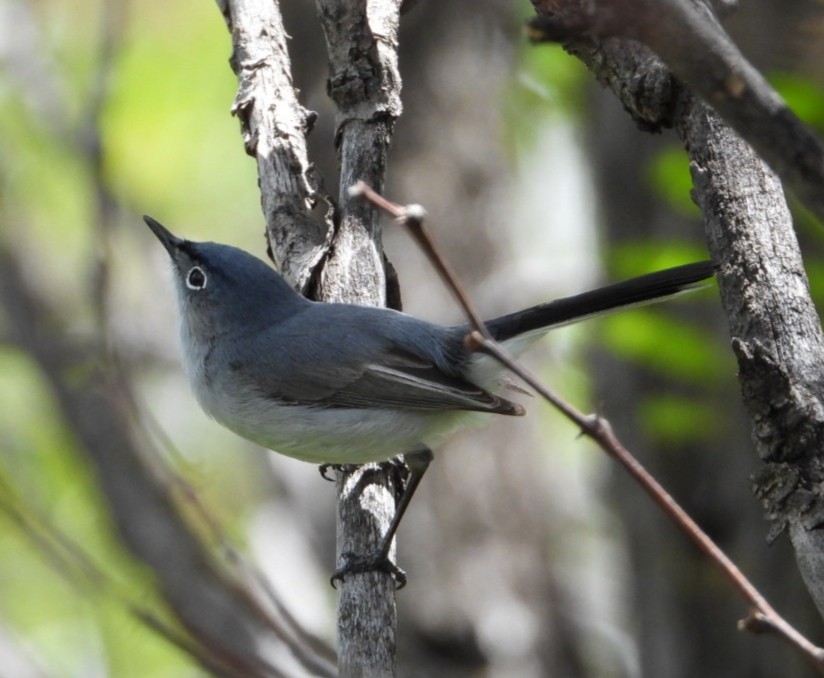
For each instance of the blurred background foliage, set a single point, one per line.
(109, 110)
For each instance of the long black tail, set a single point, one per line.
(640, 290)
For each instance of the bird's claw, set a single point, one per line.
(375, 562)
(324, 469)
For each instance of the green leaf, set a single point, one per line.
(669, 175)
(645, 256)
(669, 418)
(667, 346)
(803, 95)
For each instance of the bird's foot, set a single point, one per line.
(396, 466)
(375, 562)
(325, 468)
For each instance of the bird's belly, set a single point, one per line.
(336, 435)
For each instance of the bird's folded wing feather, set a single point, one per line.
(389, 378)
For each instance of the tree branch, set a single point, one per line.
(763, 617)
(775, 330)
(364, 83)
(274, 127)
(694, 46)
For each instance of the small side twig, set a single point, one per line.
(763, 618)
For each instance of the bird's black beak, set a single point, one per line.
(170, 241)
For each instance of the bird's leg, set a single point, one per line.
(379, 560)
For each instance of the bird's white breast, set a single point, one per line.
(312, 433)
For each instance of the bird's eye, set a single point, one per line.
(196, 278)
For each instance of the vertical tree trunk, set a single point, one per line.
(710, 477)
(364, 83)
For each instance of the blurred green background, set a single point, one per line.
(112, 110)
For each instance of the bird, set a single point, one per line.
(339, 384)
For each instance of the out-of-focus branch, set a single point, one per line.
(30, 68)
(47, 101)
(74, 565)
(235, 630)
(229, 628)
(274, 127)
(107, 207)
(17, 657)
(690, 40)
(364, 83)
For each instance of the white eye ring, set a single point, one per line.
(196, 278)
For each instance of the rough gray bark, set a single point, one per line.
(707, 469)
(344, 263)
(274, 127)
(364, 83)
(775, 329)
(776, 334)
(454, 538)
(690, 40)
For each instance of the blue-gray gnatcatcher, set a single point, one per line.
(343, 384)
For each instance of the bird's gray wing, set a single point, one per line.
(403, 380)
(377, 373)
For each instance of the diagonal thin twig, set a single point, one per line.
(413, 216)
(763, 618)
